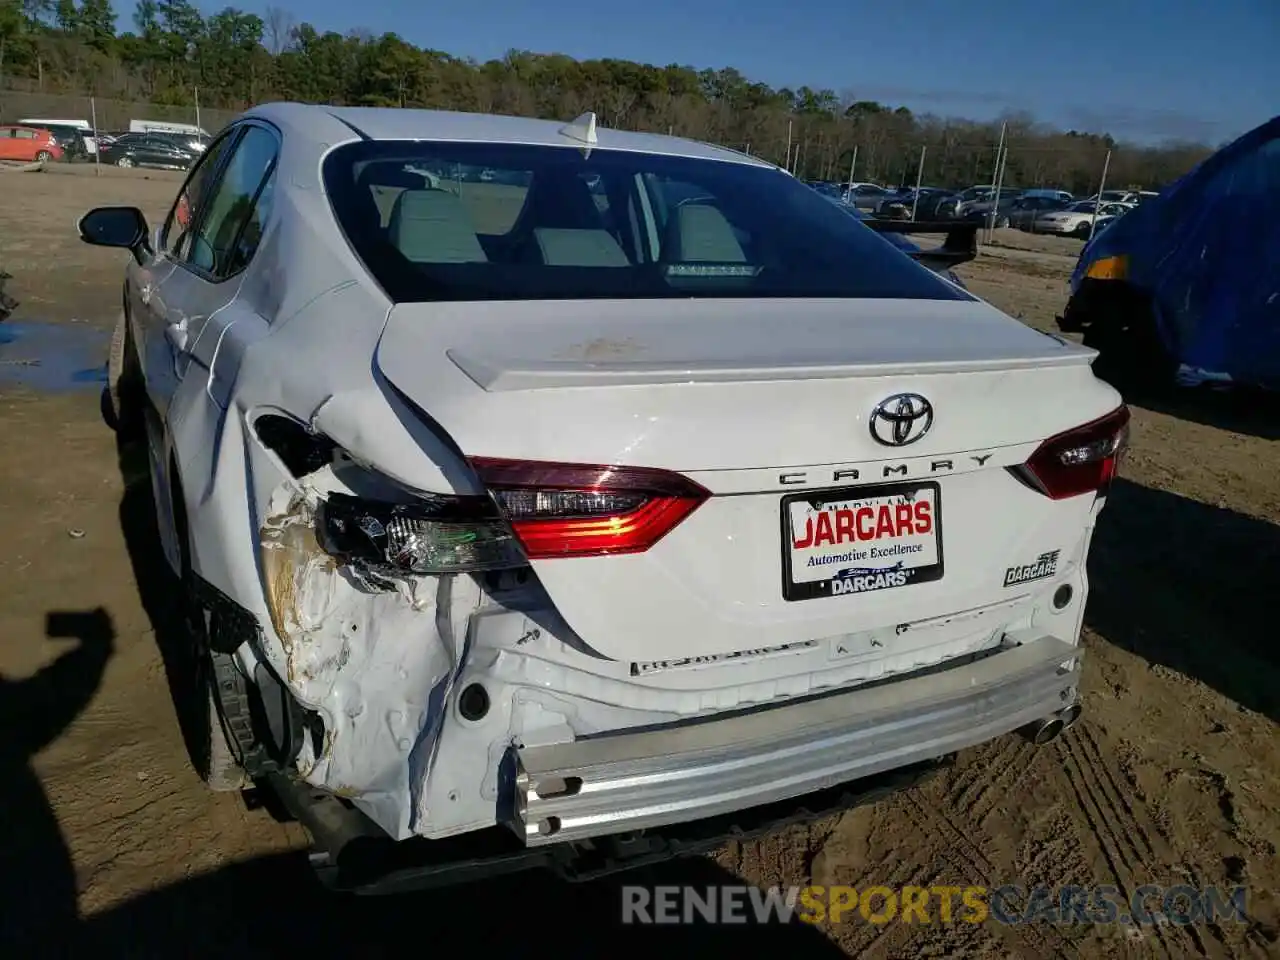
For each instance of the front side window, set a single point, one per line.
(468, 221)
(177, 236)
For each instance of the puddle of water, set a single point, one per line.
(52, 356)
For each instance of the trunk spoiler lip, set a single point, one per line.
(960, 245)
(553, 374)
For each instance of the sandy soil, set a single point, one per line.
(1173, 776)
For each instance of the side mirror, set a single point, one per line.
(123, 227)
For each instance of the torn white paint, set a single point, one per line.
(374, 663)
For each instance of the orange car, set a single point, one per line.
(28, 143)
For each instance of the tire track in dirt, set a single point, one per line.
(965, 855)
(958, 941)
(999, 776)
(1160, 847)
(1257, 933)
(776, 860)
(867, 939)
(1099, 814)
(1125, 834)
(972, 779)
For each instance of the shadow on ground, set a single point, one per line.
(270, 906)
(1189, 586)
(37, 879)
(273, 905)
(159, 592)
(1241, 410)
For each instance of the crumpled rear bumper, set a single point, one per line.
(624, 782)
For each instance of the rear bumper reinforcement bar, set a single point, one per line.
(631, 781)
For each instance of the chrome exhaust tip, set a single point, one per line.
(1042, 731)
(1070, 715)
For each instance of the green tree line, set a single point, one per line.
(235, 59)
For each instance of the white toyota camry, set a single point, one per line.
(542, 493)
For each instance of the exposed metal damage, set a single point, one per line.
(373, 654)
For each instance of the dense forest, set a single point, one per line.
(230, 59)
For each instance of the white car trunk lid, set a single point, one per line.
(758, 401)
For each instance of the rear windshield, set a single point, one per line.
(467, 221)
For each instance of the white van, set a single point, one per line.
(48, 123)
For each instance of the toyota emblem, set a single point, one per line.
(901, 419)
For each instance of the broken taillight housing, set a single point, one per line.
(1081, 460)
(432, 535)
(576, 510)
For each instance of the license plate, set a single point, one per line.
(840, 542)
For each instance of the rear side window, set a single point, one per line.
(467, 221)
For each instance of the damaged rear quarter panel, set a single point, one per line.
(375, 665)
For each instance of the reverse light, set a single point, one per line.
(1081, 460)
(576, 510)
(440, 535)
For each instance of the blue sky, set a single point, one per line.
(1144, 70)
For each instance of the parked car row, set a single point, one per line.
(1039, 210)
(864, 196)
(146, 143)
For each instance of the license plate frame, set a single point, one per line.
(816, 589)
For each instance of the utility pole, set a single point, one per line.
(915, 199)
(853, 162)
(97, 144)
(995, 199)
(995, 173)
(1102, 185)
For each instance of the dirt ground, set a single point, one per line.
(1172, 777)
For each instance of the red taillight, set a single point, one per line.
(1082, 460)
(577, 510)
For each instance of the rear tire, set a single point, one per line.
(124, 390)
(212, 753)
(1083, 231)
(222, 771)
(44, 156)
(125, 162)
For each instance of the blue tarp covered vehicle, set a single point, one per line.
(1188, 284)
